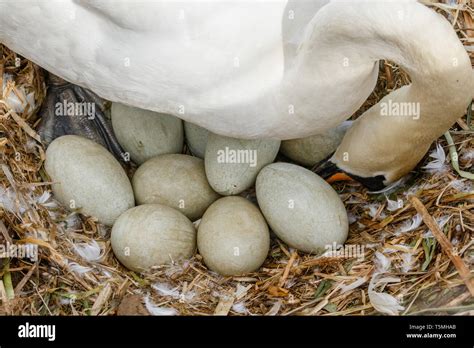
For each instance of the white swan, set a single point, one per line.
(251, 69)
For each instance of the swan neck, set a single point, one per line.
(398, 131)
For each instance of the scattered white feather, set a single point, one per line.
(407, 262)
(388, 250)
(373, 209)
(468, 155)
(17, 104)
(31, 145)
(46, 200)
(413, 190)
(352, 217)
(177, 268)
(241, 291)
(394, 205)
(43, 198)
(371, 245)
(78, 269)
(65, 301)
(463, 185)
(89, 251)
(428, 234)
(438, 162)
(382, 262)
(396, 248)
(73, 222)
(164, 289)
(187, 297)
(290, 282)
(354, 285)
(157, 310)
(409, 225)
(390, 187)
(275, 308)
(70, 299)
(240, 308)
(442, 220)
(381, 301)
(9, 201)
(106, 273)
(55, 215)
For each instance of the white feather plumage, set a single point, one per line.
(437, 165)
(409, 225)
(90, 251)
(383, 302)
(157, 310)
(17, 98)
(354, 285)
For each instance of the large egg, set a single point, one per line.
(312, 150)
(86, 176)
(233, 237)
(196, 138)
(232, 164)
(178, 181)
(152, 235)
(301, 208)
(145, 134)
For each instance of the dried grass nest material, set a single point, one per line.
(403, 269)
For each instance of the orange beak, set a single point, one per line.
(331, 173)
(338, 177)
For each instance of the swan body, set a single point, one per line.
(260, 69)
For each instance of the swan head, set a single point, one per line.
(329, 171)
(393, 136)
(378, 154)
(378, 151)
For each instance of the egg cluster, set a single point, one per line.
(172, 190)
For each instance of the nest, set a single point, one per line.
(402, 266)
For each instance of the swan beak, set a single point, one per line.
(338, 177)
(331, 173)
